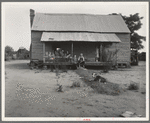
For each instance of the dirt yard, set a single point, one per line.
(32, 93)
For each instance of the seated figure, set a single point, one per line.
(81, 61)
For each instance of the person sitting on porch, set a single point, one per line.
(52, 56)
(75, 59)
(62, 53)
(57, 52)
(81, 60)
(68, 56)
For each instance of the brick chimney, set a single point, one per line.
(32, 14)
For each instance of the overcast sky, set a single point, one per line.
(16, 19)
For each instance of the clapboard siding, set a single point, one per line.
(37, 45)
(124, 48)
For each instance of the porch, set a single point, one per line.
(91, 45)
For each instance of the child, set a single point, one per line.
(81, 60)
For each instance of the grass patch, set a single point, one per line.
(109, 88)
(75, 84)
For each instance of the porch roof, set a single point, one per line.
(75, 36)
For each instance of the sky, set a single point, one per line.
(16, 30)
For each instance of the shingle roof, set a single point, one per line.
(79, 36)
(79, 23)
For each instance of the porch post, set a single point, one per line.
(72, 49)
(44, 52)
(97, 53)
(100, 52)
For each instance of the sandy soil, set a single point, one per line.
(32, 93)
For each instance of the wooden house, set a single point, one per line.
(79, 33)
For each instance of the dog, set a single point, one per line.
(98, 78)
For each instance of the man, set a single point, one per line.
(57, 52)
(62, 54)
(81, 60)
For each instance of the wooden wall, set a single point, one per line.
(37, 45)
(124, 48)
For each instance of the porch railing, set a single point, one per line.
(59, 60)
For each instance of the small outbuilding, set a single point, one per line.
(79, 33)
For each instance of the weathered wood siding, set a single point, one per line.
(37, 45)
(124, 48)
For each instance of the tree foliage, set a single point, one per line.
(9, 51)
(134, 24)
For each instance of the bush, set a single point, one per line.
(75, 84)
(59, 89)
(108, 88)
(108, 57)
(133, 86)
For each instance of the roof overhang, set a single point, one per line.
(79, 36)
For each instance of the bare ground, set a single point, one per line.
(32, 93)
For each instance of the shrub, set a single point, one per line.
(108, 57)
(108, 88)
(133, 86)
(59, 89)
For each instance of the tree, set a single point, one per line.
(134, 24)
(9, 51)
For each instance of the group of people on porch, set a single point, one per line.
(65, 54)
(62, 53)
